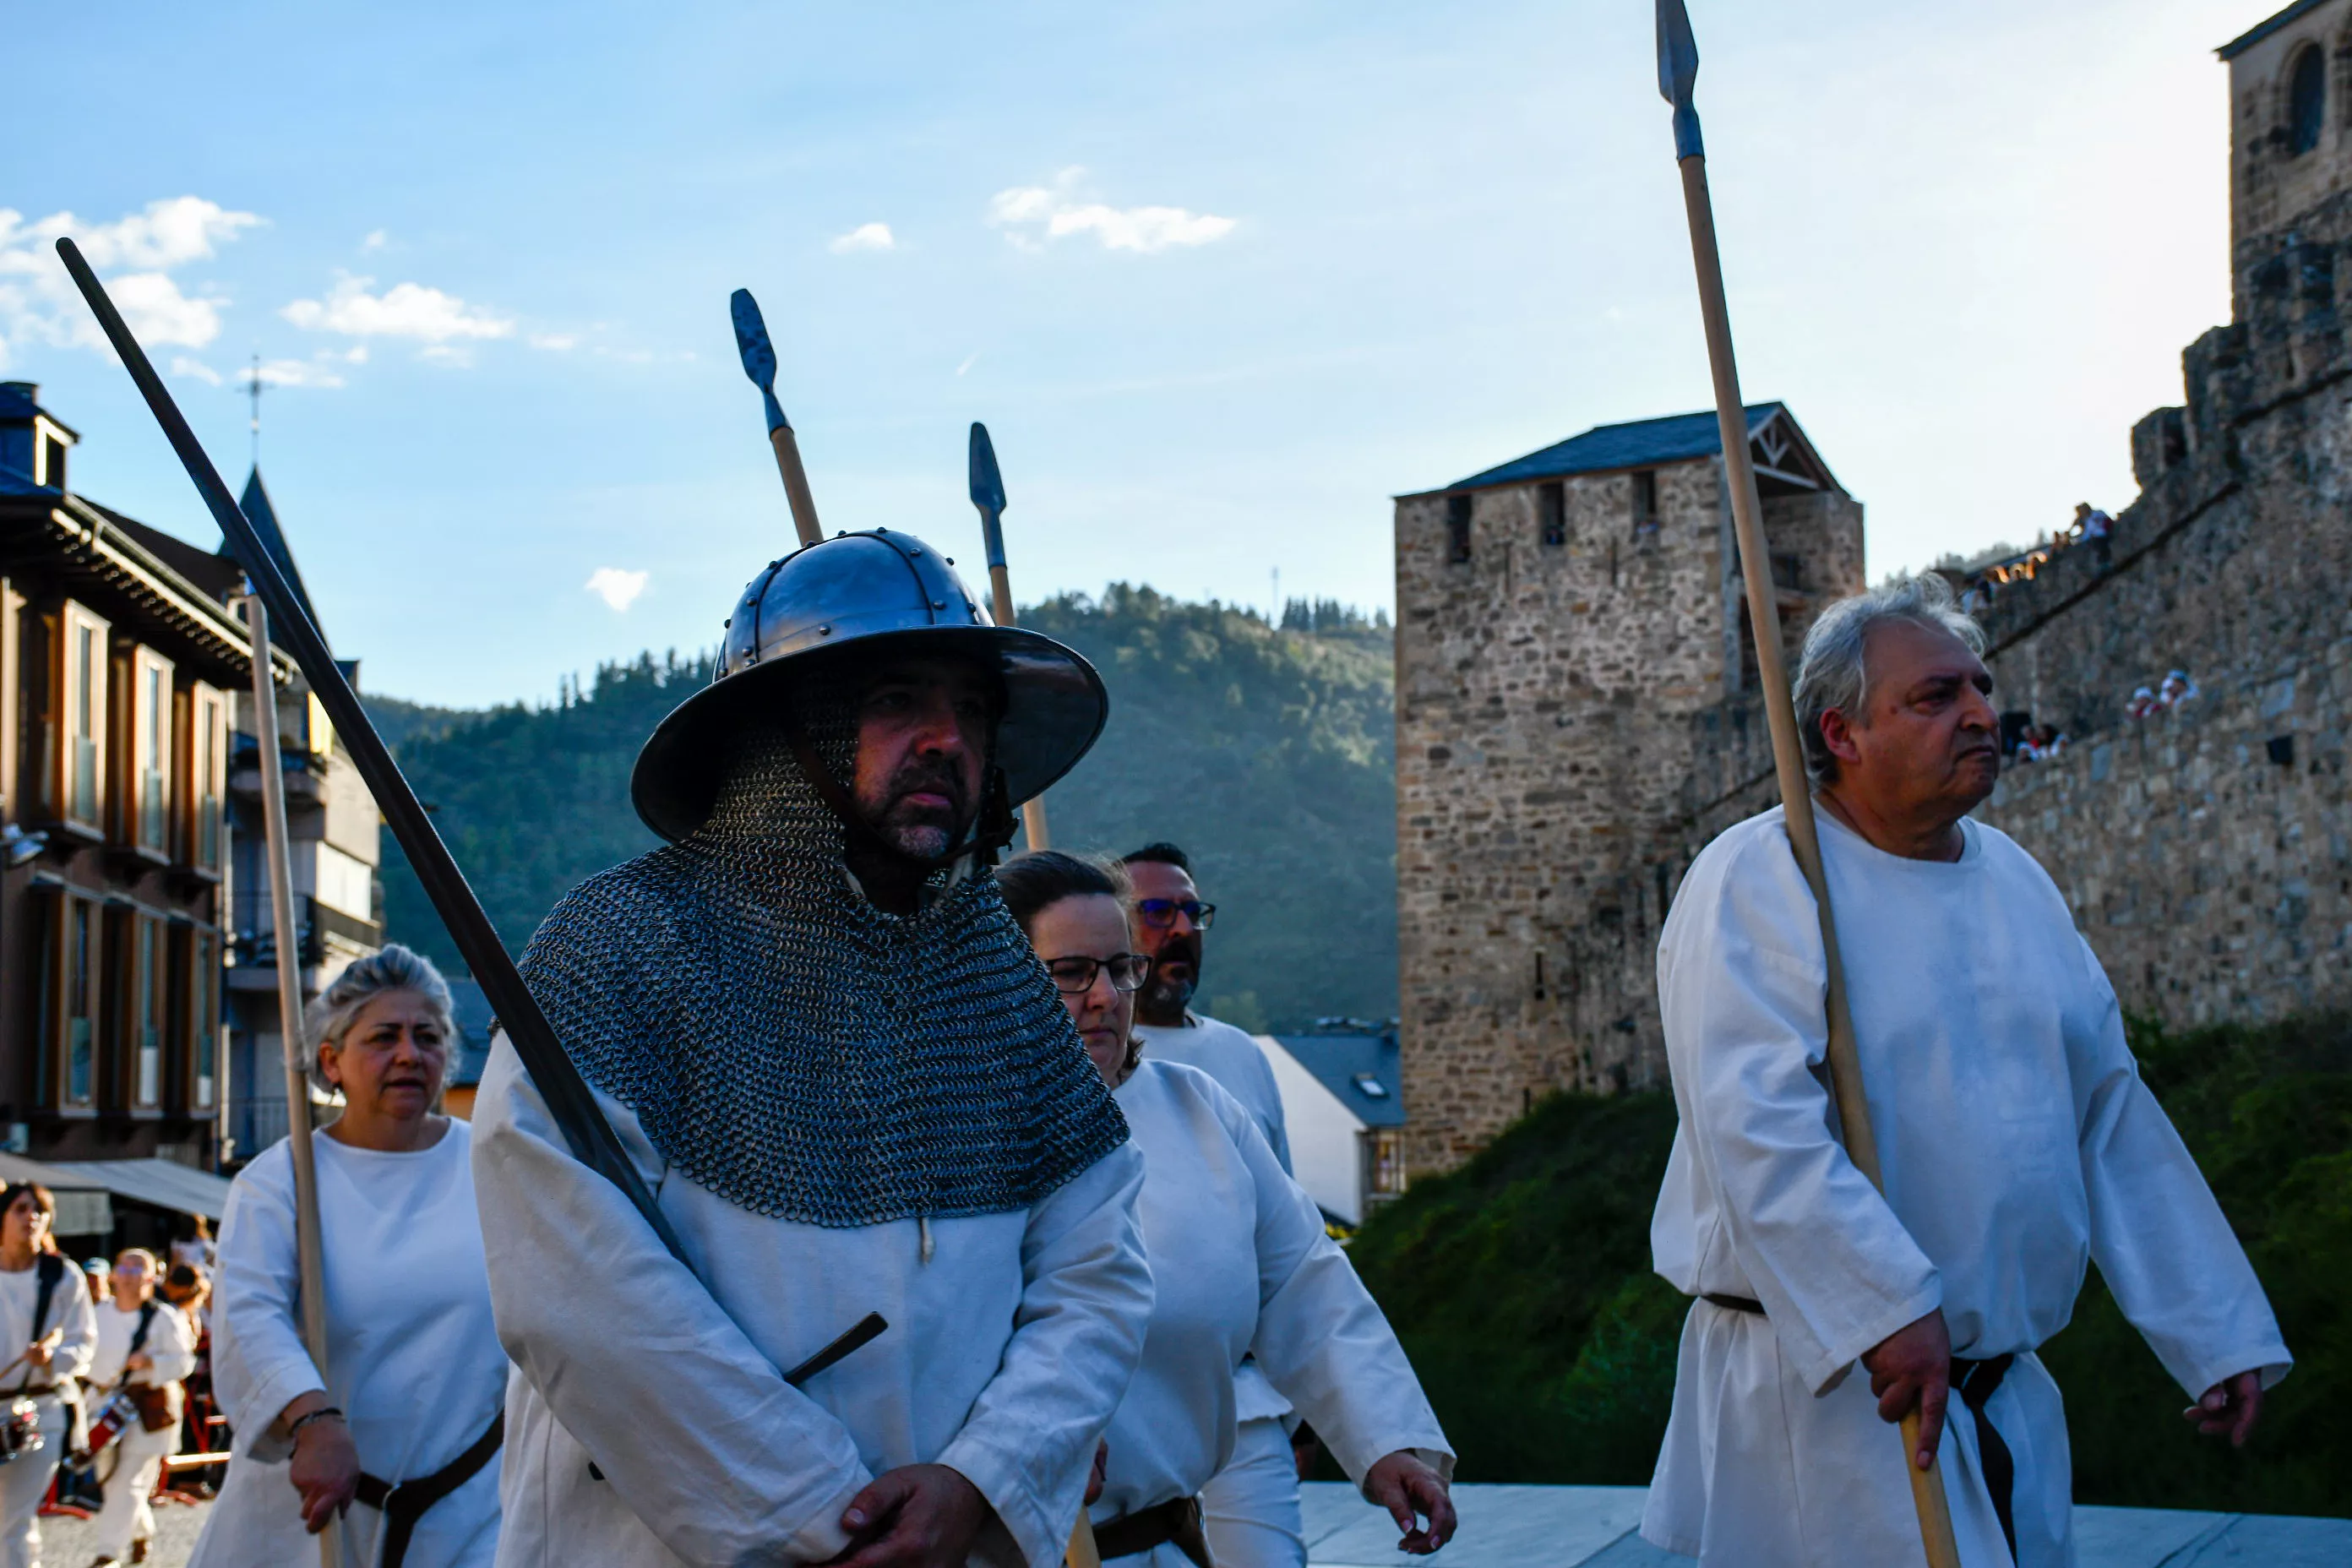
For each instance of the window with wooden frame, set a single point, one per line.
(70, 1001)
(147, 759)
(81, 687)
(202, 1040)
(146, 1007)
(203, 774)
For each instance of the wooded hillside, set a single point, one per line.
(1268, 754)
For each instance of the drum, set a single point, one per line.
(20, 1429)
(106, 1425)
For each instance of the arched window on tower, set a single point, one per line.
(2306, 102)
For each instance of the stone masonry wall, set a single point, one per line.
(2204, 851)
(1555, 704)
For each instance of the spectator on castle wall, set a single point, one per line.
(2097, 529)
(2143, 703)
(2176, 689)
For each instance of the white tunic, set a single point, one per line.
(170, 1346)
(412, 1356)
(1006, 1351)
(1241, 1263)
(1233, 1058)
(2018, 1144)
(70, 1310)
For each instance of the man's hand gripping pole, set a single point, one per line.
(1678, 72)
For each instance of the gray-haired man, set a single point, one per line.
(2018, 1144)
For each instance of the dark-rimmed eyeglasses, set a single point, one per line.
(1076, 976)
(1160, 914)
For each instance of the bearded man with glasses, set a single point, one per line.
(1251, 1507)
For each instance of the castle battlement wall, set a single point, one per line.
(1574, 724)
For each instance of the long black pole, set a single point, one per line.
(568, 1100)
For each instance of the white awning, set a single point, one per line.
(84, 1207)
(166, 1184)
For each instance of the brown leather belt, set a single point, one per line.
(1174, 1523)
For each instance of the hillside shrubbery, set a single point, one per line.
(1521, 1285)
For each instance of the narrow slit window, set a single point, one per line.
(1646, 502)
(1457, 527)
(1551, 512)
(2306, 112)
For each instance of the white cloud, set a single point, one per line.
(195, 370)
(136, 254)
(864, 237)
(376, 240)
(403, 310)
(169, 233)
(554, 342)
(617, 587)
(1029, 213)
(157, 312)
(970, 360)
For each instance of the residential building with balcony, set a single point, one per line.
(117, 673)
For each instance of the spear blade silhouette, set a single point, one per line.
(987, 484)
(1677, 74)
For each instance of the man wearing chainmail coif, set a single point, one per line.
(851, 1087)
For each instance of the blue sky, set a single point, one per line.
(1220, 277)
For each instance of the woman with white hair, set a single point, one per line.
(405, 1419)
(1240, 1261)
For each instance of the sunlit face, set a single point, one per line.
(923, 730)
(1174, 949)
(134, 1279)
(1091, 925)
(1927, 743)
(25, 1223)
(392, 1059)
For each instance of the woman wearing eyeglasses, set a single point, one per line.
(1240, 1261)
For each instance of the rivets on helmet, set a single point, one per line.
(825, 631)
(938, 604)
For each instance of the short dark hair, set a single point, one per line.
(41, 1198)
(1042, 877)
(1160, 853)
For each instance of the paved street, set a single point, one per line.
(65, 1542)
(1592, 1527)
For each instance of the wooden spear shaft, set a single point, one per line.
(309, 1254)
(1033, 811)
(1796, 793)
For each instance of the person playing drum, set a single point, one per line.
(44, 1308)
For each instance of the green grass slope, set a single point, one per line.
(1268, 754)
(1520, 1283)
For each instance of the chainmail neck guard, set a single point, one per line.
(799, 1052)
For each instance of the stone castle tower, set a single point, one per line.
(1574, 677)
(1576, 718)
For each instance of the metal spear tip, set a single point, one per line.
(759, 353)
(987, 482)
(1678, 73)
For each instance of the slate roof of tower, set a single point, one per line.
(1640, 444)
(2265, 28)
